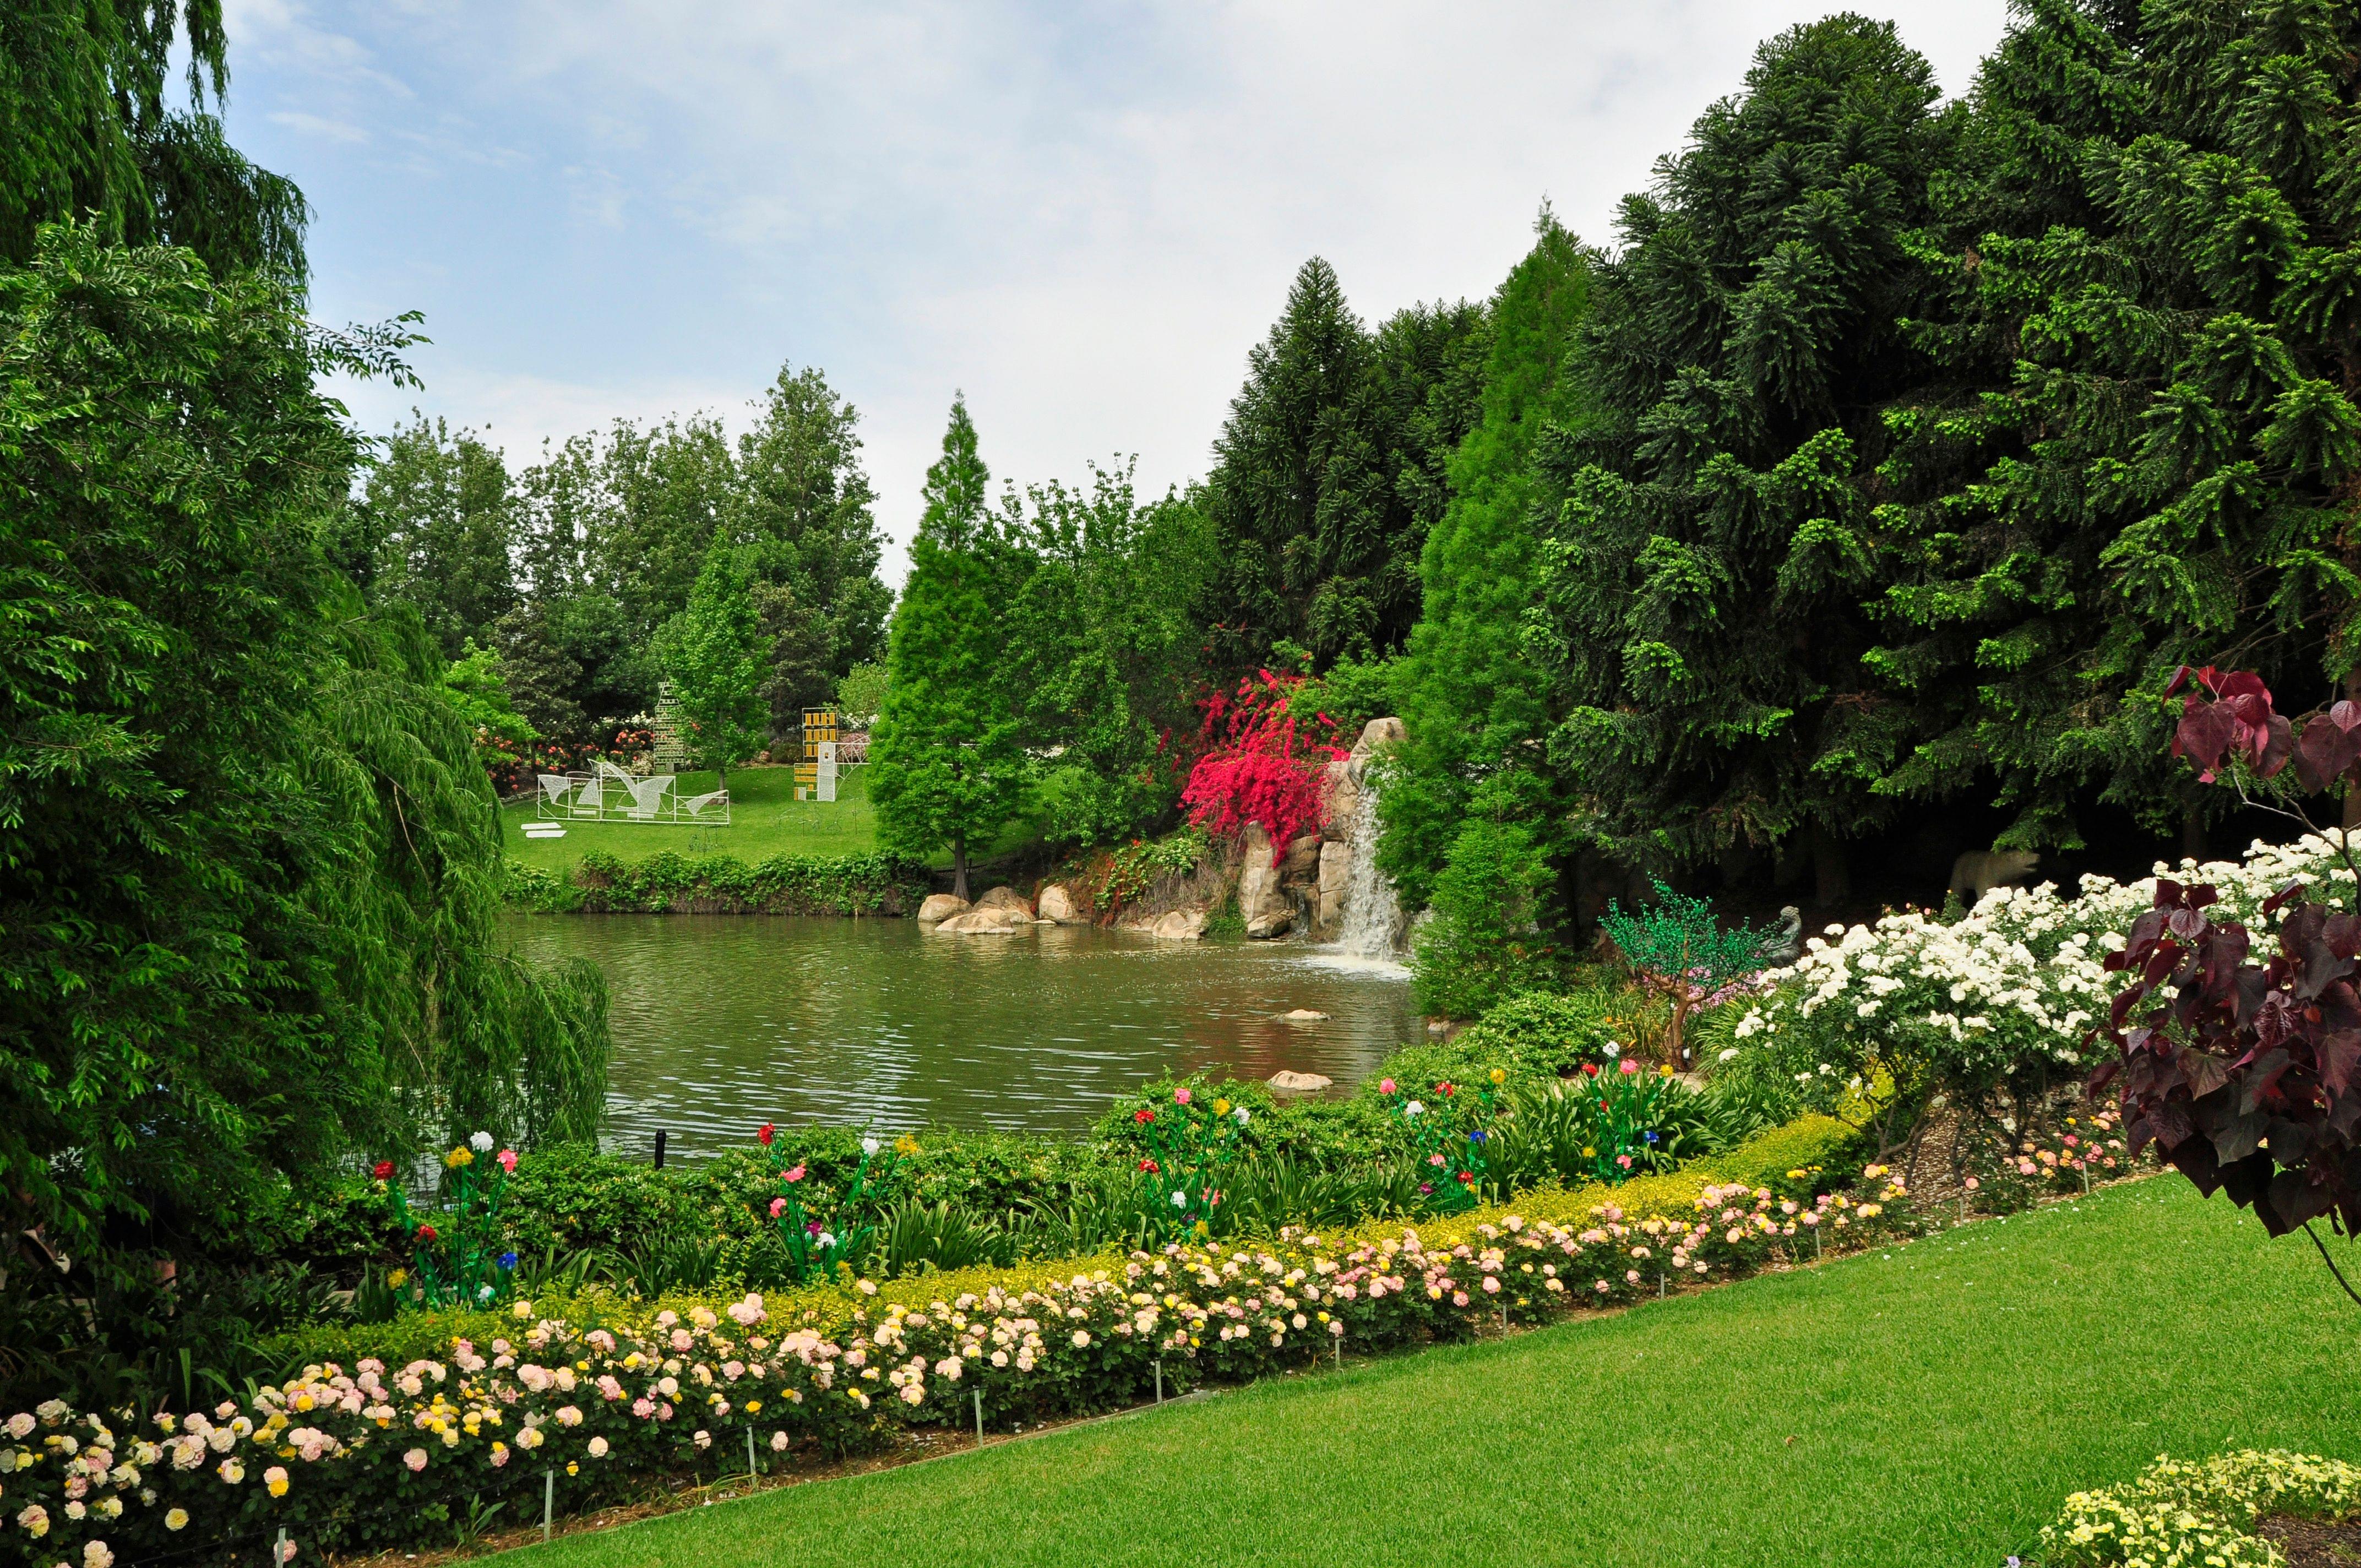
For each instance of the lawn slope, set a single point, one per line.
(1929, 1404)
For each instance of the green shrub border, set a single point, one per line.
(670, 884)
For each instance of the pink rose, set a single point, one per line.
(778, 1206)
(795, 1173)
(1180, 1097)
(508, 1159)
(415, 1459)
(1629, 1067)
(1385, 1086)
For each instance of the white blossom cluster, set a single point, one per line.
(2021, 977)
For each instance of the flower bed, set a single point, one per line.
(2185, 1515)
(594, 1397)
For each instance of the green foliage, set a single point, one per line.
(252, 858)
(1472, 703)
(476, 686)
(86, 130)
(946, 759)
(2183, 1512)
(712, 653)
(860, 694)
(665, 883)
(1486, 939)
(434, 527)
(1329, 473)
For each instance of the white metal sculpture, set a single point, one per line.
(608, 793)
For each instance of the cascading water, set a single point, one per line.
(1370, 924)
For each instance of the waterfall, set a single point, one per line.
(1370, 924)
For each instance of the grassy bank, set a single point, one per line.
(1929, 1404)
(765, 820)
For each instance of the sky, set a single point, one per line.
(1083, 217)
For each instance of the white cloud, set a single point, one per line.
(1083, 216)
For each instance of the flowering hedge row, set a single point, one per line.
(378, 1451)
(2186, 1515)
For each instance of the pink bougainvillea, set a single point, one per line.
(1263, 763)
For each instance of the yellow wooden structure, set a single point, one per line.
(815, 773)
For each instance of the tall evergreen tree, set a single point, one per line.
(1704, 583)
(1324, 473)
(1477, 708)
(2142, 451)
(946, 765)
(805, 506)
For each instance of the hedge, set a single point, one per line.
(669, 884)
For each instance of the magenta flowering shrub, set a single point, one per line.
(379, 1456)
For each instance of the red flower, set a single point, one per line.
(1467, 1176)
(1149, 1166)
(383, 1170)
(1443, 1089)
(764, 1134)
(426, 1232)
(1590, 1070)
(1143, 1114)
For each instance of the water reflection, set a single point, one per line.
(723, 1022)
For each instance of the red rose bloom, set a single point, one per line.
(764, 1134)
(1149, 1165)
(1143, 1114)
(384, 1170)
(426, 1232)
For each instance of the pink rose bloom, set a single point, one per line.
(1629, 1067)
(644, 1407)
(795, 1173)
(778, 1206)
(508, 1159)
(1180, 1097)
(415, 1459)
(1385, 1086)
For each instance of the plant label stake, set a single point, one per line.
(548, 1500)
(978, 1418)
(749, 1457)
(660, 1144)
(278, 1554)
(1160, 1380)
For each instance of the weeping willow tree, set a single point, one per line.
(247, 865)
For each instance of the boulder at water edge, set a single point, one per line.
(1303, 1015)
(1005, 898)
(1181, 925)
(1328, 904)
(1299, 1082)
(942, 906)
(1056, 903)
(995, 921)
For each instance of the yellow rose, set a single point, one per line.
(1221, 1107)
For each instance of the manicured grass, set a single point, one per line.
(1929, 1404)
(766, 819)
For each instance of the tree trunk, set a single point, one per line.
(2193, 832)
(2352, 818)
(959, 867)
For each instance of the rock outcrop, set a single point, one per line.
(1299, 1082)
(1057, 903)
(942, 906)
(1303, 1015)
(1263, 902)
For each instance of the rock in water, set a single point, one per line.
(942, 906)
(1299, 1082)
(1303, 1015)
(1005, 898)
(1056, 903)
(1263, 905)
(1181, 925)
(995, 921)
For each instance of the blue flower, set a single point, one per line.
(1476, 1135)
(1652, 1137)
(508, 1260)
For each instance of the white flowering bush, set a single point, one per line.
(1888, 1015)
(2199, 1515)
(365, 1456)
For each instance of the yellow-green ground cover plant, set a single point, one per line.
(2199, 1514)
(406, 1431)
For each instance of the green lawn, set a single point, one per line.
(766, 819)
(1928, 1405)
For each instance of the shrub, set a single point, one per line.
(2182, 1514)
(1267, 765)
(667, 883)
(1486, 941)
(1682, 954)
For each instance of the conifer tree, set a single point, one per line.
(2141, 452)
(945, 765)
(1476, 707)
(1705, 579)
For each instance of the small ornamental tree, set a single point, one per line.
(2242, 1072)
(1679, 951)
(713, 652)
(1267, 764)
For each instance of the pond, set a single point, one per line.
(724, 1022)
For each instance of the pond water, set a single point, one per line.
(724, 1022)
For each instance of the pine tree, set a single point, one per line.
(1477, 708)
(2142, 450)
(1324, 478)
(946, 768)
(717, 657)
(1706, 579)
